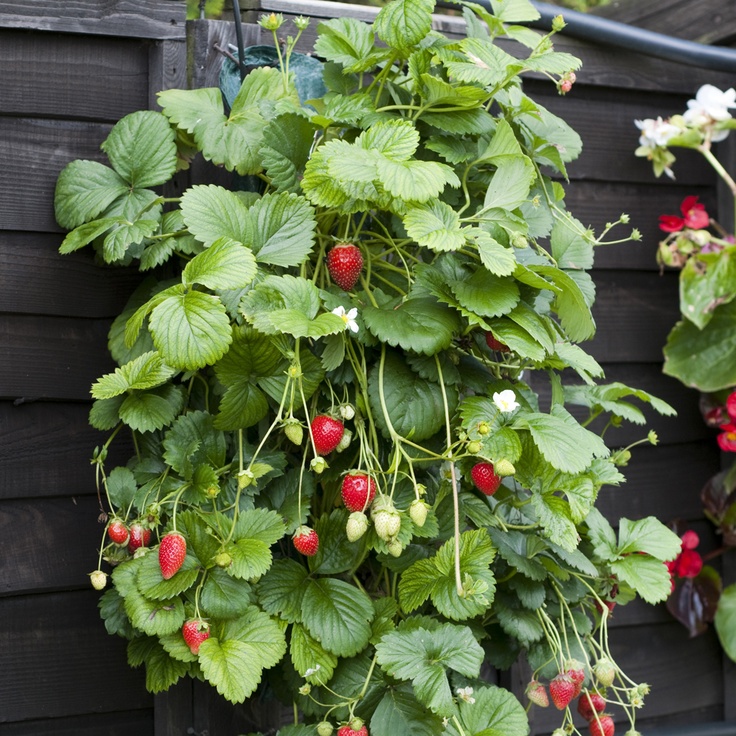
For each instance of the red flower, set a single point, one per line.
(727, 438)
(731, 407)
(694, 217)
(689, 564)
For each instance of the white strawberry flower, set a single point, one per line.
(312, 671)
(348, 317)
(466, 694)
(656, 133)
(710, 106)
(505, 401)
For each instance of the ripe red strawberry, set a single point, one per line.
(537, 694)
(306, 541)
(602, 727)
(327, 433)
(494, 344)
(348, 730)
(195, 631)
(485, 479)
(562, 691)
(358, 491)
(171, 554)
(576, 672)
(345, 262)
(590, 704)
(140, 536)
(118, 532)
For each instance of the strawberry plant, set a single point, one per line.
(308, 428)
(701, 348)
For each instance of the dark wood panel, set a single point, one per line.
(36, 279)
(33, 153)
(134, 18)
(707, 21)
(634, 312)
(139, 722)
(45, 450)
(51, 357)
(597, 203)
(684, 674)
(68, 76)
(56, 659)
(48, 544)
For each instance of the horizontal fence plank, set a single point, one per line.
(33, 152)
(602, 65)
(51, 357)
(63, 76)
(45, 450)
(36, 279)
(138, 722)
(56, 659)
(134, 18)
(48, 544)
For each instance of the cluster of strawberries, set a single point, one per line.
(568, 685)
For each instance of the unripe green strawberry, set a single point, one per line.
(294, 431)
(504, 468)
(357, 526)
(605, 671)
(98, 579)
(395, 548)
(344, 443)
(318, 465)
(537, 694)
(347, 411)
(474, 447)
(223, 559)
(325, 728)
(245, 479)
(387, 523)
(418, 512)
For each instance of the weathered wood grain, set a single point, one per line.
(45, 450)
(167, 69)
(708, 21)
(133, 18)
(57, 660)
(57, 550)
(61, 76)
(138, 722)
(33, 152)
(36, 279)
(51, 357)
(173, 709)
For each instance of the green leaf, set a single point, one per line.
(415, 181)
(230, 667)
(422, 325)
(704, 359)
(191, 329)
(148, 411)
(346, 41)
(725, 620)
(260, 524)
(152, 584)
(555, 516)
(415, 406)
(404, 23)
(147, 371)
(399, 712)
(570, 246)
(648, 535)
(211, 212)
(646, 575)
(123, 235)
(162, 670)
(511, 183)
(84, 190)
(85, 234)
(281, 591)
(486, 64)
(335, 554)
(141, 149)
(223, 596)
(338, 615)
(496, 712)
(155, 618)
(520, 624)
(707, 282)
(416, 584)
(226, 264)
(435, 225)
(423, 657)
(562, 441)
(251, 559)
(308, 656)
(285, 150)
(193, 441)
(498, 259)
(121, 487)
(485, 294)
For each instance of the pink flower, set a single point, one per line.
(690, 539)
(731, 407)
(727, 438)
(694, 217)
(689, 564)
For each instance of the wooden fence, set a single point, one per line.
(68, 74)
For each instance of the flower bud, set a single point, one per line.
(318, 465)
